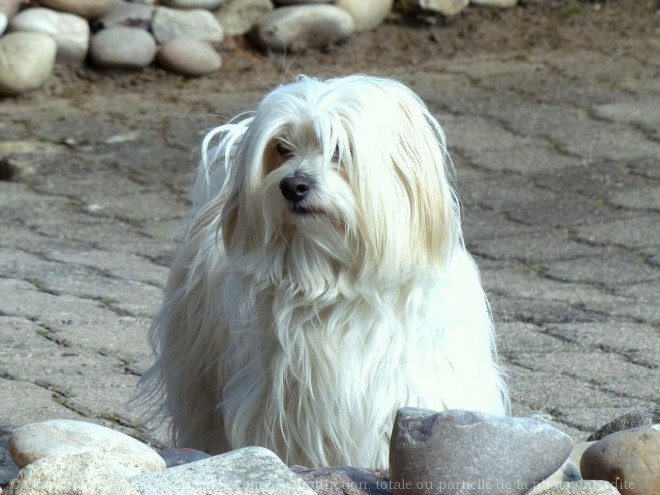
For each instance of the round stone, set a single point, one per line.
(135, 15)
(367, 14)
(301, 2)
(304, 26)
(480, 453)
(199, 24)
(193, 4)
(238, 16)
(89, 9)
(629, 459)
(122, 47)
(26, 61)
(9, 7)
(70, 32)
(495, 3)
(189, 57)
(64, 437)
(88, 473)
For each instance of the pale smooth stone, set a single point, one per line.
(9, 7)
(26, 62)
(122, 47)
(65, 437)
(199, 24)
(70, 31)
(193, 4)
(128, 14)
(367, 14)
(303, 26)
(189, 57)
(88, 473)
(89, 9)
(238, 16)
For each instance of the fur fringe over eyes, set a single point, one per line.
(322, 282)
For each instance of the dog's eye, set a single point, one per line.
(335, 155)
(283, 149)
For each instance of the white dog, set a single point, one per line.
(322, 282)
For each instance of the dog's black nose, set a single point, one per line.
(295, 187)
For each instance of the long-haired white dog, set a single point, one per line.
(322, 282)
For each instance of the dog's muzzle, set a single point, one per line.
(295, 188)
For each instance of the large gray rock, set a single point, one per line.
(26, 61)
(89, 9)
(465, 452)
(65, 437)
(238, 16)
(248, 471)
(70, 31)
(189, 57)
(366, 14)
(122, 47)
(445, 7)
(304, 26)
(199, 24)
(630, 420)
(629, 459)
(88, 473)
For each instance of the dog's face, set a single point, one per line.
(347, 176)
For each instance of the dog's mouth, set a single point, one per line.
(304, 210)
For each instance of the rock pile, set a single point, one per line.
(180, 36)
(453, 452)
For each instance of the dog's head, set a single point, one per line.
(349, 173)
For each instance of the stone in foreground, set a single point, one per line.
(630, 420)
(248, 471)
(629, 459)
(463, 452)
(89, 473)
(65, 437)
(345, 480)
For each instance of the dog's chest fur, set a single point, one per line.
(334, 371)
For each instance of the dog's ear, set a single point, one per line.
(229, 221)
(422, 167)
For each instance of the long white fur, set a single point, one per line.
(305, 334)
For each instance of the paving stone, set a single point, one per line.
(633, 231)
(557, 168)
(251, 470)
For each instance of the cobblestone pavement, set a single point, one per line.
(558, 165)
